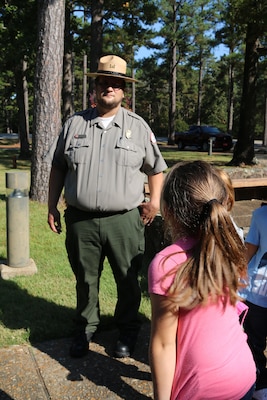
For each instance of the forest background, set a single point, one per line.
(48, 46)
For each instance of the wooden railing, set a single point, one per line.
(245, 188)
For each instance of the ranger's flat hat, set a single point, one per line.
(112, 66)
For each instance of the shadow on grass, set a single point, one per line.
(41, 319)
(20, 310)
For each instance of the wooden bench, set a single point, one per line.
(245, 188)
(250, 188)
(249, 182)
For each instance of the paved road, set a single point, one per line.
(9, 136)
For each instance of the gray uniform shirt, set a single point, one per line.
(105, 167)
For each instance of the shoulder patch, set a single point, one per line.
(152, 138)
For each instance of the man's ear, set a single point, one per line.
(94, 83)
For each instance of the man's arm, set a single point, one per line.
(56, 183)
(150, 209)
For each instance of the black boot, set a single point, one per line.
(80, 344)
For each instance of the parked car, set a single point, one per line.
(199, 136)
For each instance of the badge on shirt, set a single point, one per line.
(152, 138)
(128, 134)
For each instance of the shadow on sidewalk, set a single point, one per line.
(98, 374)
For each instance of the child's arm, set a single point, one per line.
(251, 249)
(162, 349)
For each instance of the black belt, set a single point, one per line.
(98, 214)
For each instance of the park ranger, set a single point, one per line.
(100, 159)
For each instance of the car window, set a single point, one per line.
(211, 129)
(193, 129)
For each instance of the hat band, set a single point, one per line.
(111, 73)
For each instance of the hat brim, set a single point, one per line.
(125, 78)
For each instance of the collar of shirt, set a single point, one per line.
(118, 119)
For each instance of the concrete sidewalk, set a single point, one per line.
(45, 371)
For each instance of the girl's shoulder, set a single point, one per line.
(175, 253)
(181, 245)
(164, 265)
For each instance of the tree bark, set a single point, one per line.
(244, 149)
(67, 90)
(85, 96)
(172, 85)
(230, 108)
(23, 106)
(48, 85)
(96, 37)
(200, 88)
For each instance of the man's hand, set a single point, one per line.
(148, 212)
(54, 220)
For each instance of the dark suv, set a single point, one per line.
(199, 135)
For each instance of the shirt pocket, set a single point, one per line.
(78, 152)
(126, 153)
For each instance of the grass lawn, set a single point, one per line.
(172, 156)
(41, 307)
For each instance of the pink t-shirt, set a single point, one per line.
(214, 361)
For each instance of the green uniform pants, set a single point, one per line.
(90, 238)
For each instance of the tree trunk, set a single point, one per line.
(172, 104)
(200, 88)
(96, 37)
(67, 90)
(230, 109)
(23, 106)
(48, 84)
(85, 97)
(173, 71)
(244, 148)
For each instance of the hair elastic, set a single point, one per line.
(210, 202)
(207, 208)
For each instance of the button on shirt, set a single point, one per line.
(105, 167)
